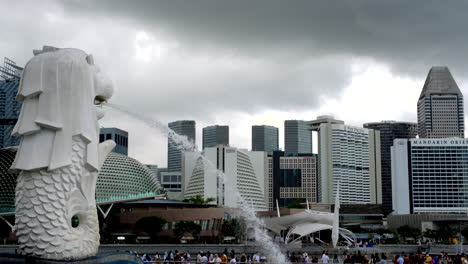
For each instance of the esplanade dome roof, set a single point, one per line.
(121, 177)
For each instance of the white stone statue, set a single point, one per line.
(59, 156)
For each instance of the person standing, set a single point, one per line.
(224, 259)
(216, 259)
(325, 258)
(400, 259)
(203, 259)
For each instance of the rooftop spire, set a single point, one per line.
(440, 81)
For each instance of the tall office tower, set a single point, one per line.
(349, 156)
(291, 177)
(297, 137)
(244, 172)
(215, 135)
(174, 152)
(265, 138)
(429, 175)
(119, 136)
(440, 106)
(9, 107)
(390, 130)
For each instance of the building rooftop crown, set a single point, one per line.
(439, 80)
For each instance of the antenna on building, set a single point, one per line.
(277, 208)
(9, 70)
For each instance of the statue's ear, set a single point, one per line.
(45, 48)
(90, 59)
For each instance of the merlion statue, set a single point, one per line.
(59, 155)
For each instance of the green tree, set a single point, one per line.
(234, 227)
(382, 231)
(198, 199)
(464, 233)
(295, 204)
(444, 233)
(150, 224)
(183, 227)
(407, 231)
(429, 233)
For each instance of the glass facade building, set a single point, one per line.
(215, 135)
(119, 136)
(440, 106)
(265, 138)
(297, 137)
(174, 153)
(291, 177)
(389, 131)
(9, 107)
(433, 173)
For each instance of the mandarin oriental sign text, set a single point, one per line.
(439, 141)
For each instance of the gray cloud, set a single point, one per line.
(240, 56)
(409, 34)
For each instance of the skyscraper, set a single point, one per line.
(390, 130)
(265, 138)
(429, 175)
(440, 106)
(348, 156)
(119, 136)
(297, 137)
(291, 177)
(215, 135)
(174, 154)
(9, 107)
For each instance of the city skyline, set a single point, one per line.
(368, 61)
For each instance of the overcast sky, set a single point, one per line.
(244, 63)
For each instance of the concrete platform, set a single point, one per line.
(112, 258)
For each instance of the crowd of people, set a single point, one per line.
(420, 258)
(184, 257)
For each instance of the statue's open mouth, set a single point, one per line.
(99, 100)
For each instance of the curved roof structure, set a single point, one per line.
(121, 177)
(305, 223)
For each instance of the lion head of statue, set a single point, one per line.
(61, 90)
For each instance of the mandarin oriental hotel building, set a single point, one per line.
(430, 175)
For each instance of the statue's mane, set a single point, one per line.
(57, 92)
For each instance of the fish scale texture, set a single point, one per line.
(45, 205)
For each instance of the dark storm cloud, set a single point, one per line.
(218, 60)
(243, 55)
(409, 34)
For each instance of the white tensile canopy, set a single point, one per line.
(305, 223)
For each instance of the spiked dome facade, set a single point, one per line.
(121, 177)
